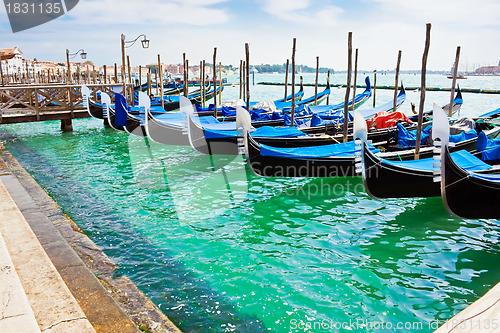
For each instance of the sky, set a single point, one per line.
(380, 29)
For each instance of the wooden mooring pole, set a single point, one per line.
(454, 81)
(220, 82)
(184, 76)
(422, 90)
(214, 78)
(316, 82)
(292, 115)
(355, 77)
(328, 81)
(241, 74)
(396, 83)
(161, 82)
(349, 69)
(203, 91)
(247, 55)
(286, 77)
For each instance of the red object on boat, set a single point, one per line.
(387, 119)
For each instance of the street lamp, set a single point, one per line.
(126, 44)
(82, 53)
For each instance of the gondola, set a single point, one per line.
(298, 95)
(172, 102)
(304, 105)
(385, 178)
(336, 160)
(95, 109)
(467, 194)
(168, 128)
(213, 140)
(325, 161)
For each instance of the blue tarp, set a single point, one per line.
(485, 143)
(489, 148)
(264, 131)
(407, 139)
(121, 110)
(491, 113)
(489, 177)
(334, 118)
(344, 149)
(463, 136)
(491, 154)
(462, 157)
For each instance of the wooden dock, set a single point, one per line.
(31, 103)
(481, 316)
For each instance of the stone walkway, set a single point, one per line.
(35, 297)
(53, 278)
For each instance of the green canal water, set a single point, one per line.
(220, 249)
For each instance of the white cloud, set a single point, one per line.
(467, 12)
(283, 8)
(301, 12)
(329, 16)
(155, 12)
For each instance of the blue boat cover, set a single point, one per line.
(264, 131)
(463, 136)
(491, 154)
(488, 177)
(485, 143)
(334, 118)
(489, 148)
(407, 139)
(297, 121)
(491, 113)
(344, 149)
(462, 158)
(121, 110)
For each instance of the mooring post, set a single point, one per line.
(214, 78)
(241, 77)
(374, 85)
(292, 114)
(247, 54)
(66, 125)
(203, 91)
(422, 90)
(220, 82)
(316, 82)
(328, 81)
(454, 81)
(396, 83)
(286, 77)
(355, 79)
(347, 92)
(161, 82)
(184, 81)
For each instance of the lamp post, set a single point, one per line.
(126, 44)
(82, 53)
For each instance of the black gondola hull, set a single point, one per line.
(466, 196)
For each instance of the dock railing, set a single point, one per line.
(27, 103)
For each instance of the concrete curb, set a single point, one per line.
(112, 304)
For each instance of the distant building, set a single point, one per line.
(14, 60)
(488, 70)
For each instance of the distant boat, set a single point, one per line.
(459, 76)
